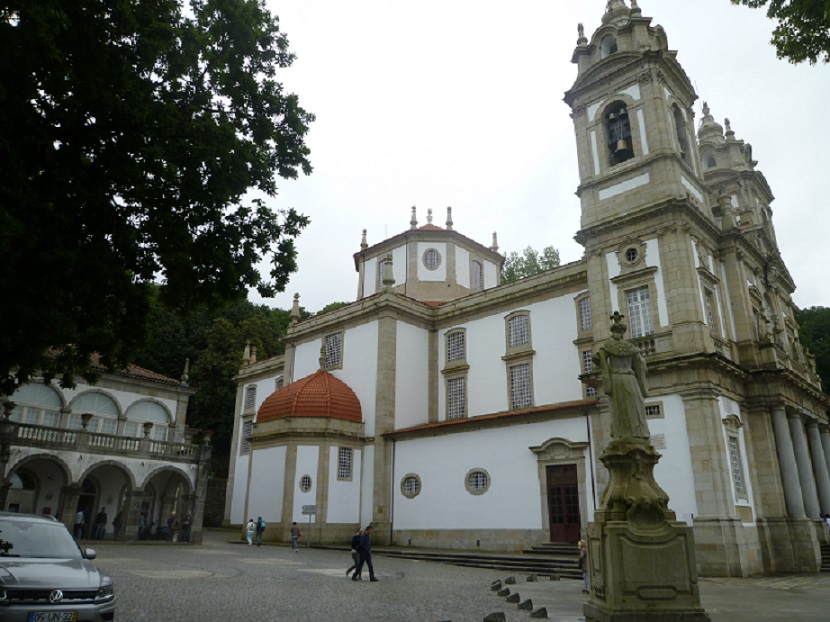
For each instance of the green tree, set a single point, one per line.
(814, 333)
(131, 135)
(530, 262)
(803, 30)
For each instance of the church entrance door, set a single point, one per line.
(563, 503)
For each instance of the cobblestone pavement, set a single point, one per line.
(220, 580)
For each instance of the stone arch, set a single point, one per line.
(89, 470)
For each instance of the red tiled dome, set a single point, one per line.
(317, 395)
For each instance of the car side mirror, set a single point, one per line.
(90, 554)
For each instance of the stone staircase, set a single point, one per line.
(825, 557)
(550, 560)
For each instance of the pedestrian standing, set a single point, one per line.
(365, 551)
(260, 528)
(355, 554)
(116, 525)
(827, 521)
(80, 521)
(583, 564)
(142, 526)
(295, 536)
(249, 531)
(100, 524)
(187, 523)
(172, 525)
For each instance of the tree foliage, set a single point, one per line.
(803, 30)
(814, 333)
(530, 262)
(131, 135)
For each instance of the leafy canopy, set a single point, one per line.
(814, 333)
(131, 137)
(530, 262)
(803, 30)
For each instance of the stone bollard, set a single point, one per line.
(504, 592)
(495, 585)
(526, 605)
(513, 598)
(510, 581)
(532, 578)
(541, 612)
(496, 616)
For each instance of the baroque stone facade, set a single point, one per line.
(482, 414)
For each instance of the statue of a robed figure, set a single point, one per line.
(641, 560)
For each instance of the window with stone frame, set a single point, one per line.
(521, 389)
(709, 310)
(457, 397)
(456, 346)
(250, 397)
(36, 404)
(333, 345)
(344, 463)
(518, 331)
(619, 135)
(586, 320)
(640, 319)
(476, 274)
(737, 467)
(305, 483)
(477, 481)
(247, 434)
(381, 271)
(411, 486)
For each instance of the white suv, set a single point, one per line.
(45, 577)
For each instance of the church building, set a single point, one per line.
(451, 410)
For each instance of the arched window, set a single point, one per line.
(102, 406)
(607, 46)
(711, 162)
(680, 130)
(37, 404)
(619, 133)
(140, 413)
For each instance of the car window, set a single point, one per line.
(36, 539)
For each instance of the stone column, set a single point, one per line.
(384, 422)
(132, 514)
(787, 464)
(819, 467)
(805, 469)
(70, 497)
(824, 433)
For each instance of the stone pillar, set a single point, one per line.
(8, 431)
(819, 467)
(384, 422)
(787, 464)
(824, 433)
(70, 497)
(132, 515)
(805, 469)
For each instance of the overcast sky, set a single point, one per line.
(459, 103)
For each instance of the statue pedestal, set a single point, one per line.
(641, 560)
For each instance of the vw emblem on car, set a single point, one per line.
(55, 596)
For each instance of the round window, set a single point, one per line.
(432, 259)
(477, 481)
(410, 486)
(305, 483)
(631, 254)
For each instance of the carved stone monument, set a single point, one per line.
(641, 559)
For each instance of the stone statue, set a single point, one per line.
(624, 382)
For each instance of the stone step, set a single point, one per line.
(549, 567)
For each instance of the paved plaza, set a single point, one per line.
(222, 580)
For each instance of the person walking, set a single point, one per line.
(355, 554)
(116, 525)
(187, 523)
(260, 528)
(295, 536)
(100, 524)
(249, 531)
(583, 564)
(365, 551)
(172, 525)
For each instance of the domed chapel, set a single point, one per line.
(451, 410)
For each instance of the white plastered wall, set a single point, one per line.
(308, 457)
(267, 486)
(344, 495)
(412, 376)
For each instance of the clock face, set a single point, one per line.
(432, 259)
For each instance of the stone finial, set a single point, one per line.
(413, 221)
(429, 216)
(253, 355)
(294, 316)
(246, 354)
(363, 244)
(582, 41)
(388, 276)
(730, 134)
(449, 218)
(495, 245)
(186, 373)
(635, 8)
(322, 359)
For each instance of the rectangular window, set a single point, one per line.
(159, 432)
(586, 321)
(247, 433)
(50, 419)
(587, 361)
(344, 463)
(250, 397)
(737, 466)
(131, 429)
(455, 346)
(476, 275)
(106, 425)
(590, 392)
(518, 331)
(456, 398)
(653, 411)
(381, 269)
(639, 312)
(520, 393)
(709, 303)
(334, 348)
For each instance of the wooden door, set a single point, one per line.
(563, 503)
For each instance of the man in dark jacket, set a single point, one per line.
(365, 551)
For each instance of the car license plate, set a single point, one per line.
(53, 616)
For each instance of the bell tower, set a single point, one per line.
(643, 200)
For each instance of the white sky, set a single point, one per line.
(459, 103)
